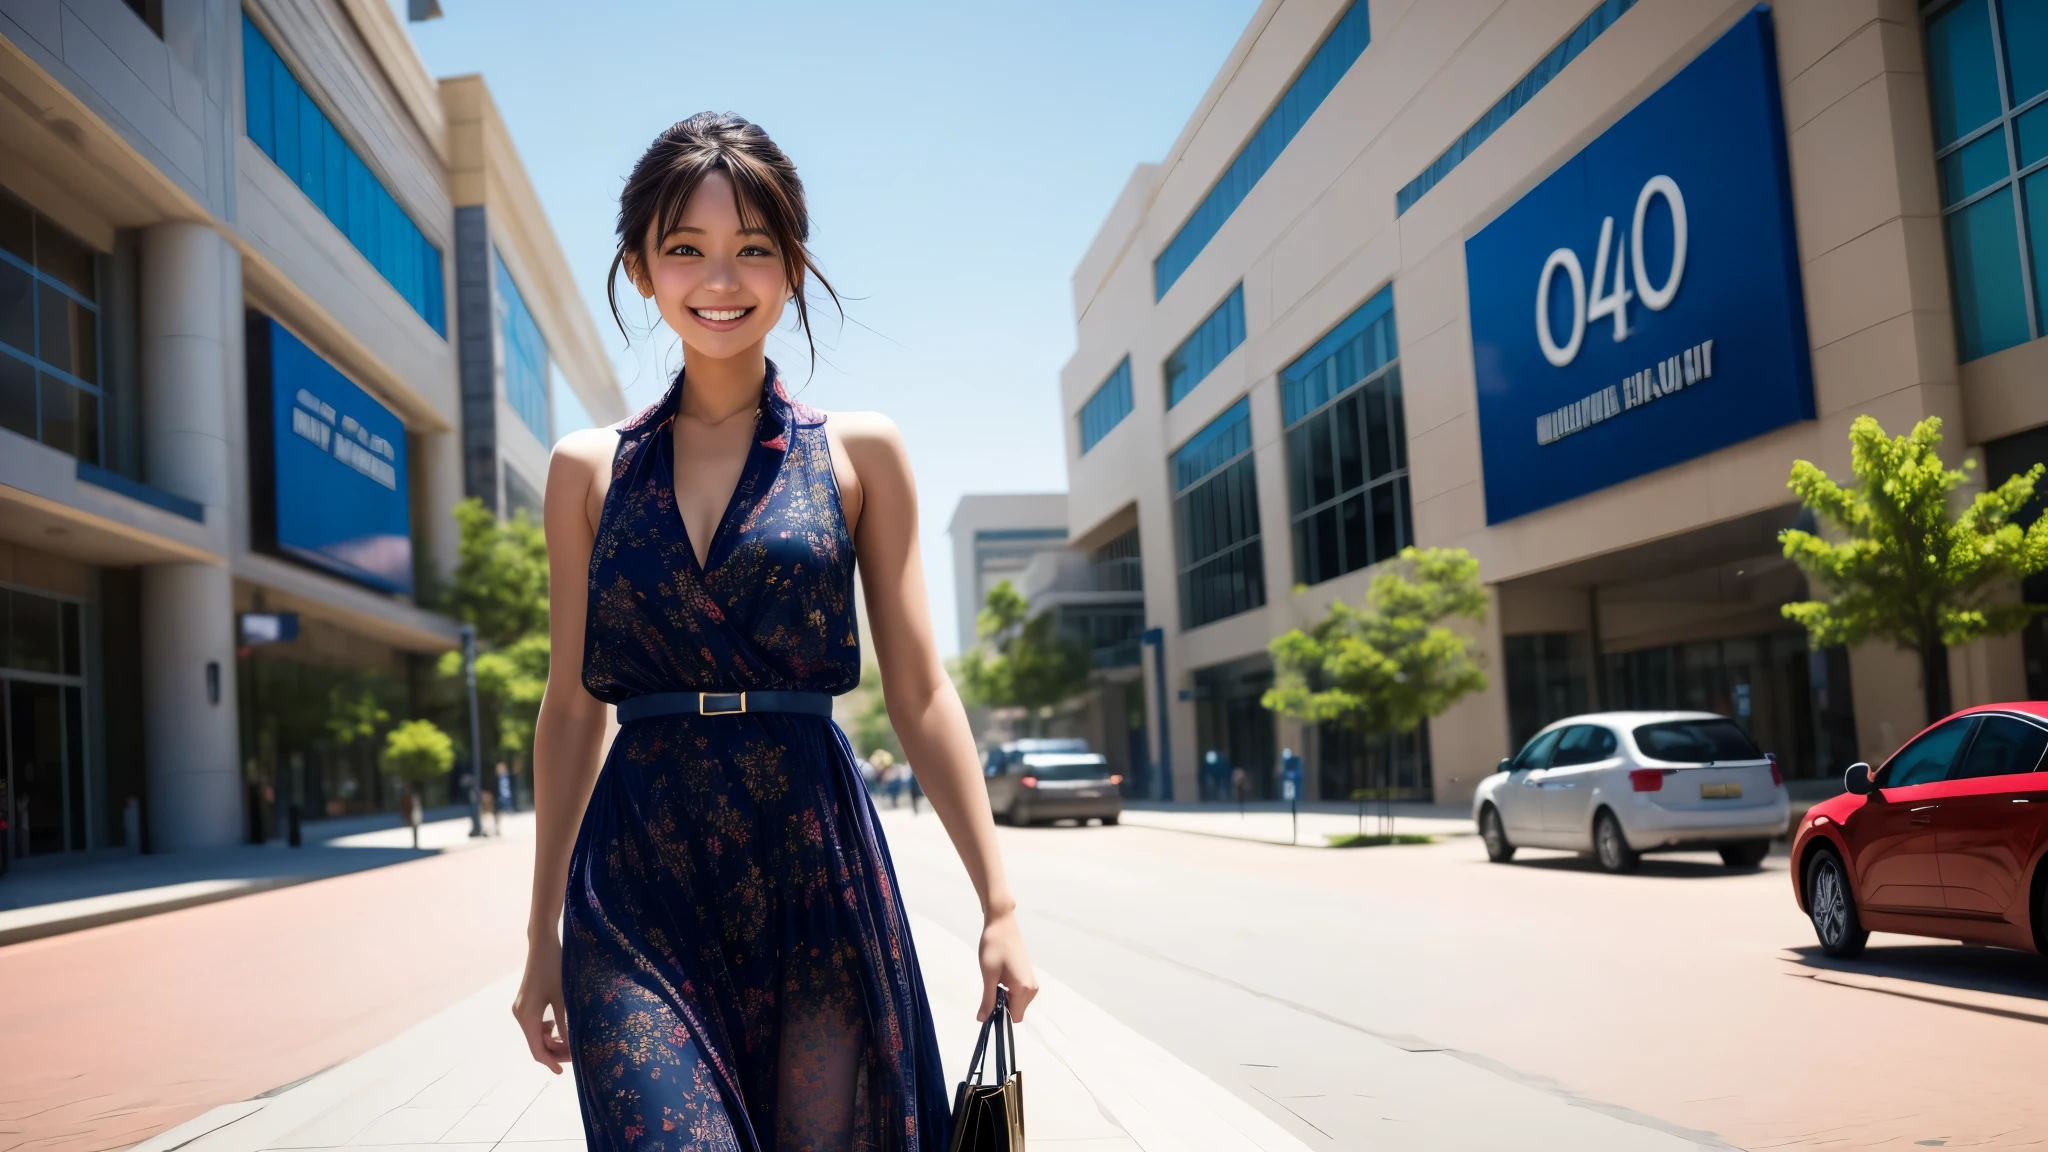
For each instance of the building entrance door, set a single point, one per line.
(45, 782)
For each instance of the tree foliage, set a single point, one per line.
(415, 753)
(501, 589)
(1385, 668)
(1909, 569)
(1020, 661)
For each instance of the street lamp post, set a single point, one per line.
(1162, 774)
(476, 752)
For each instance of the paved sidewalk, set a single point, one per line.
(462, 1082)
(1271, 823)
(47, 901)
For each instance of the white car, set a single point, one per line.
(1619, 784)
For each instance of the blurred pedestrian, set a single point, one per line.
(505, 803)
(1240, 787)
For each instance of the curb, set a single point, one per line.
(20, 925)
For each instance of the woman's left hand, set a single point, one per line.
(1004, 961)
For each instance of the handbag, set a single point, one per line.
(988, 1115)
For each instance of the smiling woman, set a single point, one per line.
(735, 962)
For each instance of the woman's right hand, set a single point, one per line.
(540, 989)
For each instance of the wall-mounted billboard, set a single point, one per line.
(334, 462)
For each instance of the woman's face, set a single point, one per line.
(718, 284)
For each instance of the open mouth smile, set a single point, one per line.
(721, 319)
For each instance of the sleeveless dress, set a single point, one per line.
(737, 965)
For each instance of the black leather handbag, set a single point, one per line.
(988, 1115)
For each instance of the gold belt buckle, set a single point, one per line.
(703, 711)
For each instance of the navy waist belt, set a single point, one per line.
(723, 704)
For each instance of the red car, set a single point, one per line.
(1945, 840)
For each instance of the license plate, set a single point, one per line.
(1720, 791)
(1089, 795)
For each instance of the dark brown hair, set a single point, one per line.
(766, 192)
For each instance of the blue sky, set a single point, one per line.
(958, 159)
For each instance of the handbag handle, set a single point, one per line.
(1005, 1042)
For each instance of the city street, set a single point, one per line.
(1408, 997)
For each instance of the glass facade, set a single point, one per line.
(1599, 20)
(1391, 767)
(1347, 447)
(50, 360)
(1216, 520)
(1107, 407)
(1233, 730)
(1347, 39)
(1549, 676)
(1988, 72)
(46, 792)
(1212, 340)
(523, 354)
(290, 128)
(1791, 700)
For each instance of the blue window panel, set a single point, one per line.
(1347, 39)
(1973, 167)
(1984, 250)
(2024, 25)
(292, 130)
(1359, 346)
(1107, 407)
(1212, 340)
(1964, 73)
(2034, 192)
(2033, 135)
(257, 62)
(1599, 20)
(525, 354)
(1226, 438)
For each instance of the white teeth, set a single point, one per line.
(720, 313)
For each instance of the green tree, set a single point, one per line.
(501, 589)
(501, 575)
(1383, 669)
(872, 731)
(1020, 661)
(359, 711)
(415, 753)
(1909, 569)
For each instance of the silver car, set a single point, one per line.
(1030, 781)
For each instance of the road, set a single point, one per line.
(1686, 999)
(1410, 997)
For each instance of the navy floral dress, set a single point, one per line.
(737, 964)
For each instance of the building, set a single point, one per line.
(1569, 284)
(272, 300)
(1096, 598)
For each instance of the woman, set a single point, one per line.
(735, 970)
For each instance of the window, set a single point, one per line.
(1536, 753)
(49, 333)
(523, 354)
(1347, 39)
(1118, 565)
(1926, 760)
(2005, 746)
(1548, 676)
(1600, 20)
(1205, 348)
(1108, 407)
(1988, 68)
(151, 12)
(1347, 447)
(1216, 520)
(1584, 744)
(1696, 742)
(292, 130)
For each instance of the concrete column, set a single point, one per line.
(191, 296)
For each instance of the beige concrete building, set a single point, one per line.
(272, 300)
(1305, 339)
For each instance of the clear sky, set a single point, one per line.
(958, 159)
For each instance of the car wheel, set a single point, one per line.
(1833, 908)
(1109, 820)
(1610, 846)
(1747, 854)
(1020, 816)
(1498, 849)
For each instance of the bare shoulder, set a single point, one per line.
(580, 472)
(871, 440)
(586, 449)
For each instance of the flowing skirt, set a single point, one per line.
(737, 965)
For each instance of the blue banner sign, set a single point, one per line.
(1642, 306)
(337, 461)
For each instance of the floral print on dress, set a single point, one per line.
(738, 968)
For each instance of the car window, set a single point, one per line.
(1583, 744)
(1066, 767)
(2004, 746)
(1536, 753)
(1696, 741)
(1927, 759)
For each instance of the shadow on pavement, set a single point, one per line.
(1689, 866)
(2000, 971)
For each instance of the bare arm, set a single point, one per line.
(924, 709)
(569, 734)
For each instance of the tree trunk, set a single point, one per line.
(1934, 687)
